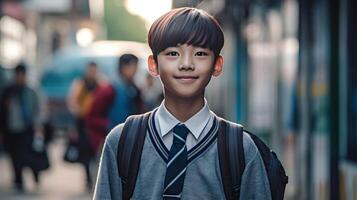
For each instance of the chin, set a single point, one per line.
(184, 92)
(188, 94)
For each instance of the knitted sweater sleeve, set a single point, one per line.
(255, 183)
(108, 185)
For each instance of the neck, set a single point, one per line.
(184, 108)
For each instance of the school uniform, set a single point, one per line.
(203, 177)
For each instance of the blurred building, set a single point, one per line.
(14, 43)
(63, 23)
(344, 96)
(32, 30)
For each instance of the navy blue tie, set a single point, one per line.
(176, 166)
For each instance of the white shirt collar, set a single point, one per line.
(195, 124)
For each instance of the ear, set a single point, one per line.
(152, 66)
(218, 66)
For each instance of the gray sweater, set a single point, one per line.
(203, 178)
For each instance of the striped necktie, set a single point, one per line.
(176, 166)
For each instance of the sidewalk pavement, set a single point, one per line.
(62, 181)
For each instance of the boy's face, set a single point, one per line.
(185, 70)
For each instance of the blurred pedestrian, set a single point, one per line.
(79, 102)
(20, 124)
(152, 93)
(113, 103)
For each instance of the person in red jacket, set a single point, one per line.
(115, 101)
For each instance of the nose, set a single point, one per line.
(187, 63)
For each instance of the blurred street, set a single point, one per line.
(56, 183)
(289, 76)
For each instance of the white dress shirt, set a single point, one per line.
(199, 125)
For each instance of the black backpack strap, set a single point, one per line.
(130, 147)
(231, 157)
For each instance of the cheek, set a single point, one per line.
(206, 63)
(164, 76)
(167, 62)
(205, 69)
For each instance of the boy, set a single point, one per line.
(179, 158)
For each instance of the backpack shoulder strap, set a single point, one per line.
(130, 147)
(231, 157)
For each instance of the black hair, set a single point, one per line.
(186, 26)
(126, 59)
(92, 63)
(20, 68)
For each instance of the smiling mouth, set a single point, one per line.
(186, 79)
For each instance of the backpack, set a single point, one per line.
(230, 153)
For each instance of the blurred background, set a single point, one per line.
(290, 76)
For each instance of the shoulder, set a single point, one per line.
(250, 149)
(102, 82)
(7, 89)
(31, 87)
(78, 82)
(108, 87)
(31, 90)
(76, 85)
(105, 90)
(113, 137)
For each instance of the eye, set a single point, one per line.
(172, 53)
(201, 53)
